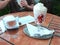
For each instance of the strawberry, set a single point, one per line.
(40, 18)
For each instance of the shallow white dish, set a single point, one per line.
(38, 36)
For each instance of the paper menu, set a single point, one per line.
(19, 2)
(2, 27)
(26, 19)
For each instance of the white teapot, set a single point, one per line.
(11, 22)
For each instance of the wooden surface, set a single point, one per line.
(17, 37)
(2, 42)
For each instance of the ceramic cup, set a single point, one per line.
(11, 22)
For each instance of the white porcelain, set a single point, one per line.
(9, 18)
(33, 31)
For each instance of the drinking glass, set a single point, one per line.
(39, 11)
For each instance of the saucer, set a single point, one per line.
(37, 36)
(11, 18)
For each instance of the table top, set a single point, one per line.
(17, 37)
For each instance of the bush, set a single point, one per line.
(56, 7)
(53, 6)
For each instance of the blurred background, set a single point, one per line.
(52, 5)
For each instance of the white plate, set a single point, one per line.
(41, 35)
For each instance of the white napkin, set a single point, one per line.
(2, 26)
(31, 29)
(42, 31)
